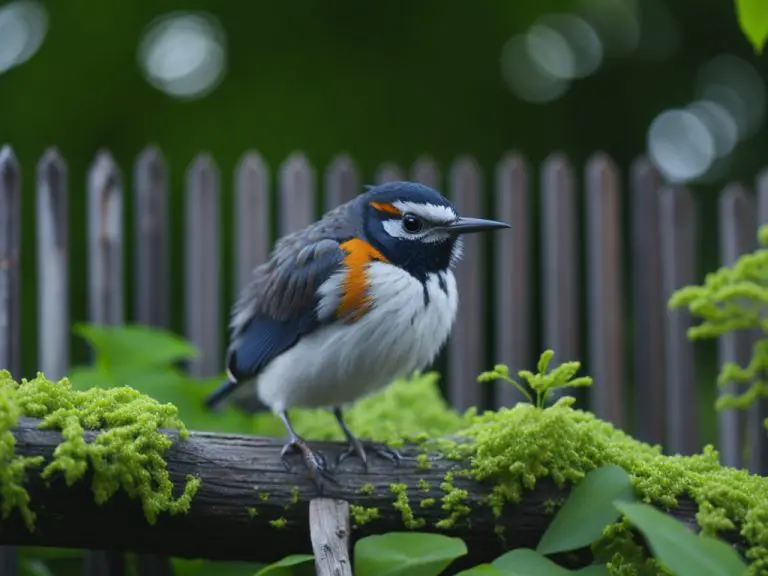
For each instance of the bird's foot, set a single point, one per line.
(314, 461)
(358, 448)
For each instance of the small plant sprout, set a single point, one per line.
(542, 383)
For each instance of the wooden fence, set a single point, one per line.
(497, 294)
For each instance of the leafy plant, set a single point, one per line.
(542, 383)
(730, 299)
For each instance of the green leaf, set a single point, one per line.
(593, 570)
(753, 20)
(527, 562)
(133, 346)
(682, 551)
(281, 567)
(588, 510)
(406, 554)
(481, 570)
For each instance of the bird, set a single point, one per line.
(342, 308)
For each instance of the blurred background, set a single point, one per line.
(380, 81)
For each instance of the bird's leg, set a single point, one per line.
(314, 461)
(357, 447)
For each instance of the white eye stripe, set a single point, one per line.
(431, 212)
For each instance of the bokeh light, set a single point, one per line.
(525, 77)
(734, 84)
(23, 26)
(184, 54)
(680, 145)
(564, 45)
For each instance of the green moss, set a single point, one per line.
(127, 454)
(424, 485)
(423, 462)
(263, 496)
(366, 489)
(361, 515)
(427, 502)
(401, 503)
(279, 523)
(252, 511)
(294, 495)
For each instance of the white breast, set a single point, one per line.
(341, 363)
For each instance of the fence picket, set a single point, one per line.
(342, 182)
(605, 288)
(467, 344)
(560, 259)
(203, 267)
(296, 197)
(253, 217)
(10, 291)
(513, 274)
(758, 412)
(678, 252)
(106, 288)
(426, 171)
(389, 172)
(736, 211)
(647, 303)
(151, 282)
(52, 227)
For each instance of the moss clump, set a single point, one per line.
(279, 523)
(366, 489)
(362, 515)
(127, 454)
(401, 503)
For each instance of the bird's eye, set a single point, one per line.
(411, 223)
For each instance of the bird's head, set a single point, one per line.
(415, 227)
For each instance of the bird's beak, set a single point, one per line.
(467, 225)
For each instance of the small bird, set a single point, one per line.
(345, 306)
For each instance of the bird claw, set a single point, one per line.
(314, 461)
(357, 448)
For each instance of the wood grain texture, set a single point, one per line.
(329, 531)
(237, 472)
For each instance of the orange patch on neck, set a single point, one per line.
(356, 300)
(385, 207)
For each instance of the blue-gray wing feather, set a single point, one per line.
(280, 304)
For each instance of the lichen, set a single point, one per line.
(127, 454)
(362, 515)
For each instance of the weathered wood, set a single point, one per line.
(203, 320)
(296, 194)
(605, 288)
(53, 326)
(10, 272)
(560, 283)
(389, 172)
(342, 182)
(512, 274)
(649, 308)
(105, 241)
(737, 236)
(466, 358)
(329, 531)
(150, 223)
(758, 412)
(678, 250)
(245, 487)
(426, 171)
(253, 218)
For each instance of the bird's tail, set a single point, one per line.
(248, 403)
(215, 398)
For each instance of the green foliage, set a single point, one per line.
(590, 508)
(753, 20)
(682, 551)
(284, 566)
(406, 554)
(734, 298)
(542, 383)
